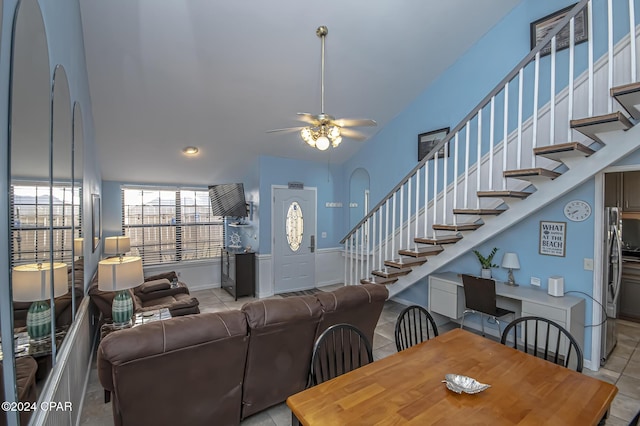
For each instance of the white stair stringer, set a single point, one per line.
(618, 144)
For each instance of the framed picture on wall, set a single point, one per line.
(96, 223)
(553, 236)
(540, 28)
(427, 141)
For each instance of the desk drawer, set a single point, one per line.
(441, 285)
(544, 311)
(444, 303)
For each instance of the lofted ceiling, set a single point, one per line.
(218, 74)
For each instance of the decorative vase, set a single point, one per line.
(486, 273)
(39, 320)
(122, 307)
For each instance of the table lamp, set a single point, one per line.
(32, 283)
(117, 245)
(510, 261)
(120, 274)
(78, 247)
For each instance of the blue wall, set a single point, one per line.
(330, 188)
(523, 239)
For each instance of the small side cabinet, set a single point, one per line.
(238, 273)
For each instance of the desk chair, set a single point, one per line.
(545, 339)
(480, 298)
(412, 327)
(339, 349)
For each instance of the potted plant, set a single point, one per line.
(486, 262)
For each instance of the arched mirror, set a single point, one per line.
(33, 268)
(77, 278)
(64, 199)
(358, 196)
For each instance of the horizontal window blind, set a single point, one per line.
(170, 225)
(33, 230)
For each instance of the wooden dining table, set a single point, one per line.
(407, 388)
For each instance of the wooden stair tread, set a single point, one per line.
(478, 211)
(422, 251)
(458, 227)
(625, 88)
(392, 273)
(628, 96)
(562, 151)
(444, 239)
(405, 262)
(537, 172)
(503, 194)
(378, 280)
(600, 124)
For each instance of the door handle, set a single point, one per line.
(312, 247)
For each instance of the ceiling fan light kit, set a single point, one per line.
(323, 129)
(321, 137)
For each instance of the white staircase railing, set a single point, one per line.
(525, 110)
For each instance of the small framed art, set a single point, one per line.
(540, 28)
(427, 141)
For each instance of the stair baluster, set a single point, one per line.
(536, 141)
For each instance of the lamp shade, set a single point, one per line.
(510, 261)
(120, 273)
(78, 246)
(117, 245)
(32, 282)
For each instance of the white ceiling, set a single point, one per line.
(219, 74)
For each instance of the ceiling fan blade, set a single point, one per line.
(288, 129)
(308, 118)
(353, 134)
(354, 122)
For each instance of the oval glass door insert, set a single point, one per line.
(294, 226)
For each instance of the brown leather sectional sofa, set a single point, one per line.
(219, 368)
(155, 293)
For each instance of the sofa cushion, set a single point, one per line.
(155, 285)
(359, 305)
(282, 332)
(195, 361)
(177, 302)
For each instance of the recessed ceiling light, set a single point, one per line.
(190, 150)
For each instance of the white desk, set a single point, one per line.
(446, 297)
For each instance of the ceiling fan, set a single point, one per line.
(323, 129)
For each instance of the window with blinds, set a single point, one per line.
(32, 234)
(171, 225)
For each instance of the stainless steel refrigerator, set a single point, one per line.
(611, 281)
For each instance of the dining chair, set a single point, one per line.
(339, 349)
(544, 338)
(412, 327)
(480, 298)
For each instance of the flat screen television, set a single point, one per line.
(228, 200)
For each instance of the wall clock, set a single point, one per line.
(577, 210)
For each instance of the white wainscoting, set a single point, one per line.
(68, 379)
(329, 270)
(329, 266)
(206, 274)
(198, 275)
(264, 280)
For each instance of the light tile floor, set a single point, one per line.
(623, 367)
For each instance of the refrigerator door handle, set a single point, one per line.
(616, 288)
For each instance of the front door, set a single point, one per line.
(294, 239)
